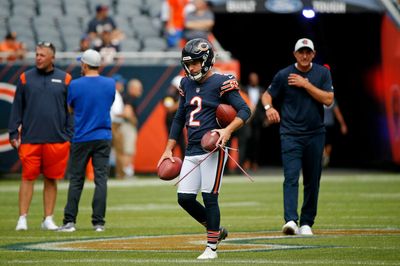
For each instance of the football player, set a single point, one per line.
(201, 91)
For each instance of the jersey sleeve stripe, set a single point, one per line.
(22, 77)
(229, 85)
(68, 79)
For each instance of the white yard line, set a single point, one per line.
(150, 182)
(218, 261)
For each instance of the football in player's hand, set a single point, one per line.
(225, 114)
(168, 170)
(209, 140)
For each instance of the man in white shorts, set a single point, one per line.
(201, 91)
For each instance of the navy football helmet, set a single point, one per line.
(198, 49)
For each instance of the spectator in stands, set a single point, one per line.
(117, 118)
(171, 104)
(12, 48)
(199, 23)
(129, 128)
(254, 91)
(103, 22)
(107, 47)
(331, 114)
(84, 43)
(173, 16)
(243, 134)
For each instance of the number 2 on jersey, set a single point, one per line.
(195, 101)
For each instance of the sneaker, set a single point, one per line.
(290, 228)
(22, 224)
(223, 233)
(99, 228)
(48, 224)
(305, 230)
(68, 227)
(208, 254)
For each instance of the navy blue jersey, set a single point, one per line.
(197, 107)
(301, 113)
(40, 106)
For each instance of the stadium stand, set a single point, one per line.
(64, 21)
(154, 44)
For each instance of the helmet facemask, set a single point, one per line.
(198, 49)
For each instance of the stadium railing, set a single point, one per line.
(145, 57)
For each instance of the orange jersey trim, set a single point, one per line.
(220, 167)
(68, 79)
(22, 77)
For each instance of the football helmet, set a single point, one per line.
(198, 49)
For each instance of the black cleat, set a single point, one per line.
(223, 233)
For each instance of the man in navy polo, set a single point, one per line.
(303, 88)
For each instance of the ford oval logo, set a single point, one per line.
(283, 6)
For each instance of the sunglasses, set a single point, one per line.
(47, 44)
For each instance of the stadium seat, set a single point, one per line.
(71, 44)
(69, 21)
(46, 6)
(124, 24)
(26, 35)
(141, 20)
(146, 31)
(153, 7)
(25, 3)
(144, 27)
(44, 22)
(64, 21)
(85, 22)
(130, 45)
(70, 37)
(154, 44)
(19, 24)
(28, 40)
(128, 11)
(3, 29)
(130, 3)
(80, 10)
(3, 25)
(42, 3)
(51, 10)
(24, 11)
(5, 11)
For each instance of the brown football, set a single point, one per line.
(168, 170)
(209, 140)
(225, 114)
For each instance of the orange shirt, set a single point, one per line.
(176, 18)
(11, 46)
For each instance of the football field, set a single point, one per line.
(358, 223)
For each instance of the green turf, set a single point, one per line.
(147, 207)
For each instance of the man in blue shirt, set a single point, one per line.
(303, 88)
(89, 99)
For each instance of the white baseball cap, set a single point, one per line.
(90, 57)
(176, 81)
(304, 42)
